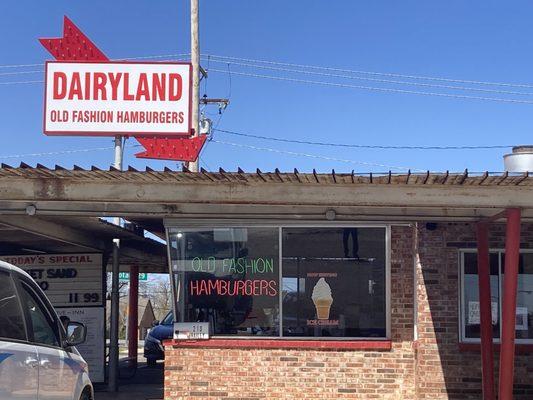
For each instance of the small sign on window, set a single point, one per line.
(191, 330)
(473, 312)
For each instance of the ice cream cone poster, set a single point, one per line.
(322, 299)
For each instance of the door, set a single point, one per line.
(57, 377)
(19, 363)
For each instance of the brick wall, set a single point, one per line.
(237, 373)
(433, 367)
(442, 371)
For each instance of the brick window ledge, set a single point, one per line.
(378, 345)
(520, 348)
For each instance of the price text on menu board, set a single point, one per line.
(68, 280)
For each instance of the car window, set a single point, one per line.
(11, 316)
(43, 327)
(169, 319)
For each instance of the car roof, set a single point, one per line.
(10, 267)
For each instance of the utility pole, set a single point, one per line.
(113, 334)
(195, 60)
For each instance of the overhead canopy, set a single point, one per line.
(147, 197)
(23, 234)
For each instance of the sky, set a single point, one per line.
(486, 41)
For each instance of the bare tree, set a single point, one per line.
(160, 293)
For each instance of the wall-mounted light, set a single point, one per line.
(31, 209)
(331, 215)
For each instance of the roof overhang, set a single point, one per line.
(23, 234)
(149, 196)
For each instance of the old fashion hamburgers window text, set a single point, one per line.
(327, 282)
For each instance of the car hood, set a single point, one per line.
(161, 332)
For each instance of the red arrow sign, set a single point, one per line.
(75, 46)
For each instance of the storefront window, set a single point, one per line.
(229, 278)
(326, 282)
(334, 282)
(470, 295)
(524, 296)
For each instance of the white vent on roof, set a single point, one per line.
(520, 160)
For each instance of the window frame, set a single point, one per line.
(461, 299)
(21, 281)
(15, 285)
(175, 225)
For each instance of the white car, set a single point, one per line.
(38, 359)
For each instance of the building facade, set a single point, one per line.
(360, 286)
(433, 350)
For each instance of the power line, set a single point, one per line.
(153, 56)
(54, 153)
(419, 77)
(113, 59)
(20, 82)
(293, 153)
(21, 65)
(361, 146)
(308, 73)
(333, 69)
(378, 89)
(388, 81)
(40, 71)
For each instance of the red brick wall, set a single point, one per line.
(230, 373)
(442, 371)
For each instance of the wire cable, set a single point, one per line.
(20, 82)
(54, 153)
(419, 77)
(362, 146)
(293, 153)
(378, 89)
(40, 71)
(113, 59)
(388, 81)
(21, 65)
(345, 70)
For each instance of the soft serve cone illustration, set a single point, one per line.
(322, 299)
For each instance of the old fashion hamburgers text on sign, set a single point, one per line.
(100, 99)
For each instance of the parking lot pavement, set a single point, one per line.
(144, 384)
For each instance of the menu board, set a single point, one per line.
(93, 349)
(69, 280)
(74, 285)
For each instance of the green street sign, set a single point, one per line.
(125, 276)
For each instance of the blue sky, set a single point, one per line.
(475, 40)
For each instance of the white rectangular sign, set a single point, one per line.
(191, 330)
(67, 279)
(106, 98)
(93, 349)
(473, 312)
